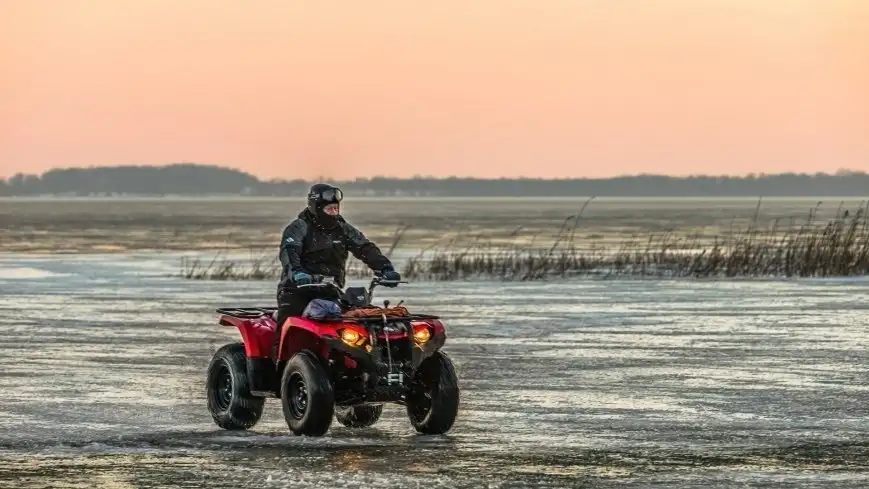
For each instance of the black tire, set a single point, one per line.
(227, 389)
(433, 403)
(361, 416)
(307, 396)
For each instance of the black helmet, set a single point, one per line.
(319, 196)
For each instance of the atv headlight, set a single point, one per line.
(353, 337)
(421, 333)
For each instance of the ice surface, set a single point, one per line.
(603, 382)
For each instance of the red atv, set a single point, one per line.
(347, 363)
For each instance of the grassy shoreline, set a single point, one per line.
(832, 248)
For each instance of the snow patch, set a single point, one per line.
(26, 273)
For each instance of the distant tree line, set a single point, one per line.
(204, 180)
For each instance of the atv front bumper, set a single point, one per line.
(376, 361)
(383, 381)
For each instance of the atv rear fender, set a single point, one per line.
(256, 333)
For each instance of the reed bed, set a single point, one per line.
(836, 247)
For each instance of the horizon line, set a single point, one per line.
(839, 172)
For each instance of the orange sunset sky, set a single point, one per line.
(548, 88)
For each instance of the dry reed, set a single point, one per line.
(839, 247)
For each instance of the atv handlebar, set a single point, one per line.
(324, 281)
(386, 283)
(320, 281)
(378, 280)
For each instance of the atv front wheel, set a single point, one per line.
(227, 390)
(360, 416)
(307, 395)
(433, 402)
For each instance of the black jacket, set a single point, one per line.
(307, 246)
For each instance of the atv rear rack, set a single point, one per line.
(246, 312)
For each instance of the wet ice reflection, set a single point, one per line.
(668, 382)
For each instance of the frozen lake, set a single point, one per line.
(622, 383)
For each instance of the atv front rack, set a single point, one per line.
(379, 319)
(247, 312)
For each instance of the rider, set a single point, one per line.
(317, 242)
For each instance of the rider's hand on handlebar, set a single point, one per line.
(302, 278)
(390, 277)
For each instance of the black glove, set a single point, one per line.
(302, 278)
(390, 275)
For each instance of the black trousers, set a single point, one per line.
(292, 302)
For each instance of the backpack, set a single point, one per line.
(320, 309)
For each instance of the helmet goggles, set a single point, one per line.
(332, 195)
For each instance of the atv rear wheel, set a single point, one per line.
(227, 390)
(307, 396)
(360, 416)
(433, 402)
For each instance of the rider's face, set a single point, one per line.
(332, 209)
